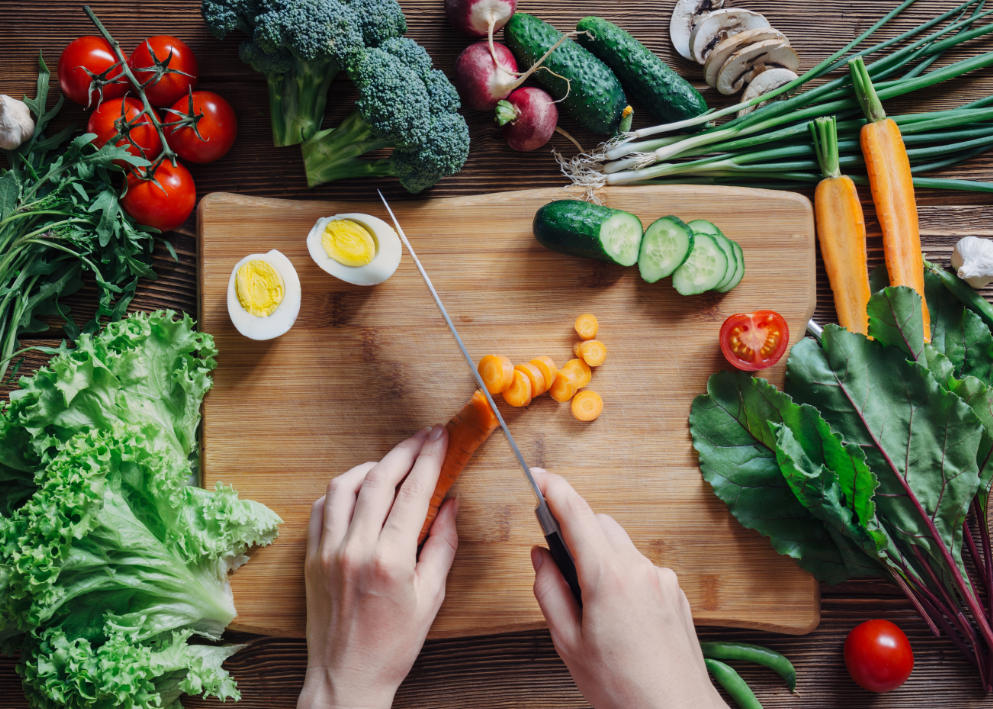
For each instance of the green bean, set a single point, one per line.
(739, 690)
(964, 292)
(752, 653)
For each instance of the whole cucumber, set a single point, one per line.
(596, 99)
(663, 92)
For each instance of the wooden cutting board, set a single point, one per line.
(365, 367)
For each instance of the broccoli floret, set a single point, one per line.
(380, 20)
(403, 103)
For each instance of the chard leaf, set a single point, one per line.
(895, 320)
(879, 278)
(957, 332)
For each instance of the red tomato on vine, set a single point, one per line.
(218, 127)
(176, 77)
(93, 54)
(106, 123)
(165, 205)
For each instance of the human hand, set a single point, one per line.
(370, 601)
(632, 645)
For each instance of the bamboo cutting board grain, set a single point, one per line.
(365, 367)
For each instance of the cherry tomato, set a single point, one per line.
(753, 341)
(95, 54)
(218, 128)
(164, 208)
(170, 86)
(878, 656)
(105, 122)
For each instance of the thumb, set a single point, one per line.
(555, 598)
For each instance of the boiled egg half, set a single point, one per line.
(357, 248)
(264, 295)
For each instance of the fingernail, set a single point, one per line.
(536, 558)
(436, 433)
(423, 433)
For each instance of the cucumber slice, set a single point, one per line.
(704, 227)
(590, 231)
(739, 272)
(704, 269)
(666, 245)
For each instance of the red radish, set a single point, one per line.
(479, 18)
(527, 118)
(480, 81)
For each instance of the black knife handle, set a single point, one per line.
(565, 563)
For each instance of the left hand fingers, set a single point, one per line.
(411, 506)
(339, 505)
(439, 550)
(314, 528)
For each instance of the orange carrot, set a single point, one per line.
(466, 432)
(582, 371)
(548, 370)
(575, 348)
(534, 376)
(593, 352)
(892, 187)
(497, 372)
(519, 393)
(587, 405)
(564, 386)
(587, 326)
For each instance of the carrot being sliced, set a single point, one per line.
(587, 405)
(582, 371)
(519, 393)
(593, 352)
(564, 386)
(548, 370)
(587, 326)
(466, 432)
(497, 372)
(535, 376)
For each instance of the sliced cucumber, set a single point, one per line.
(590, 231)
(666, 245)
(739, 272)
(704, 269)
(702, 226)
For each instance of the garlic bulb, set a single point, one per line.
(973, 261)
(16, 124)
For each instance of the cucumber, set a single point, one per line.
(704, 269)
(595, 97)
(704, 227)
(666, 245)
(739, 273)
(663, 92)
(583, 229)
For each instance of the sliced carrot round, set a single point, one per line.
(519, 393)
(535, 376)
(587, 326)
(565, 385)
(548, 370)
(582, 371)
(587, 405)
(497, 372)
(576, 348)
(593, 352)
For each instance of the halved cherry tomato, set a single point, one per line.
(218, 127)
(171, 85)
(95, 54)
(165, 207)
(878, 656)
(105, 122)
(753, 341)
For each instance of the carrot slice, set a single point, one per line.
(466, 432)
(587, 405)
(582, 371)
(497, 372)
(548, 370)
(535, 376)
(519, 393)
(575, 348)
(593, 352)
(565, 385)
(587, 326)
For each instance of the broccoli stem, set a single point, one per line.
(335, 153)
(297, 100)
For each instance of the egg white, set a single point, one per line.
(389, 251)
(285, 314)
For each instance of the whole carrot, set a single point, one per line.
(892, 190)
(841, 231)
(468, 430)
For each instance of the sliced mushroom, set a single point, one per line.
(715, 60)
(768, 80)
(717, 26)
(751, 61)
(685, 17)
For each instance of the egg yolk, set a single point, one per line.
(259, 288)
(348, 243)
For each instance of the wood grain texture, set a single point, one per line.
(364, 366)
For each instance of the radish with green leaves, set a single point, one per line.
(479, 18)
(527, 118)
(480, 79)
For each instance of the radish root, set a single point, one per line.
(570, 139)
(521, 78)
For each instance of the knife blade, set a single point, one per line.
(549, 525)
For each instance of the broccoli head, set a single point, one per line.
(403, 103)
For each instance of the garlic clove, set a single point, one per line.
(972, 260)
(16, 124)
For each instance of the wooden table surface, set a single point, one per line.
(519, 670)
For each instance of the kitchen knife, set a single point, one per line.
(549, 525)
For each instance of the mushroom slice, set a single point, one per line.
(745, 64)
(717, 26)
(721, 53)
(768, 80)
(685, 16)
